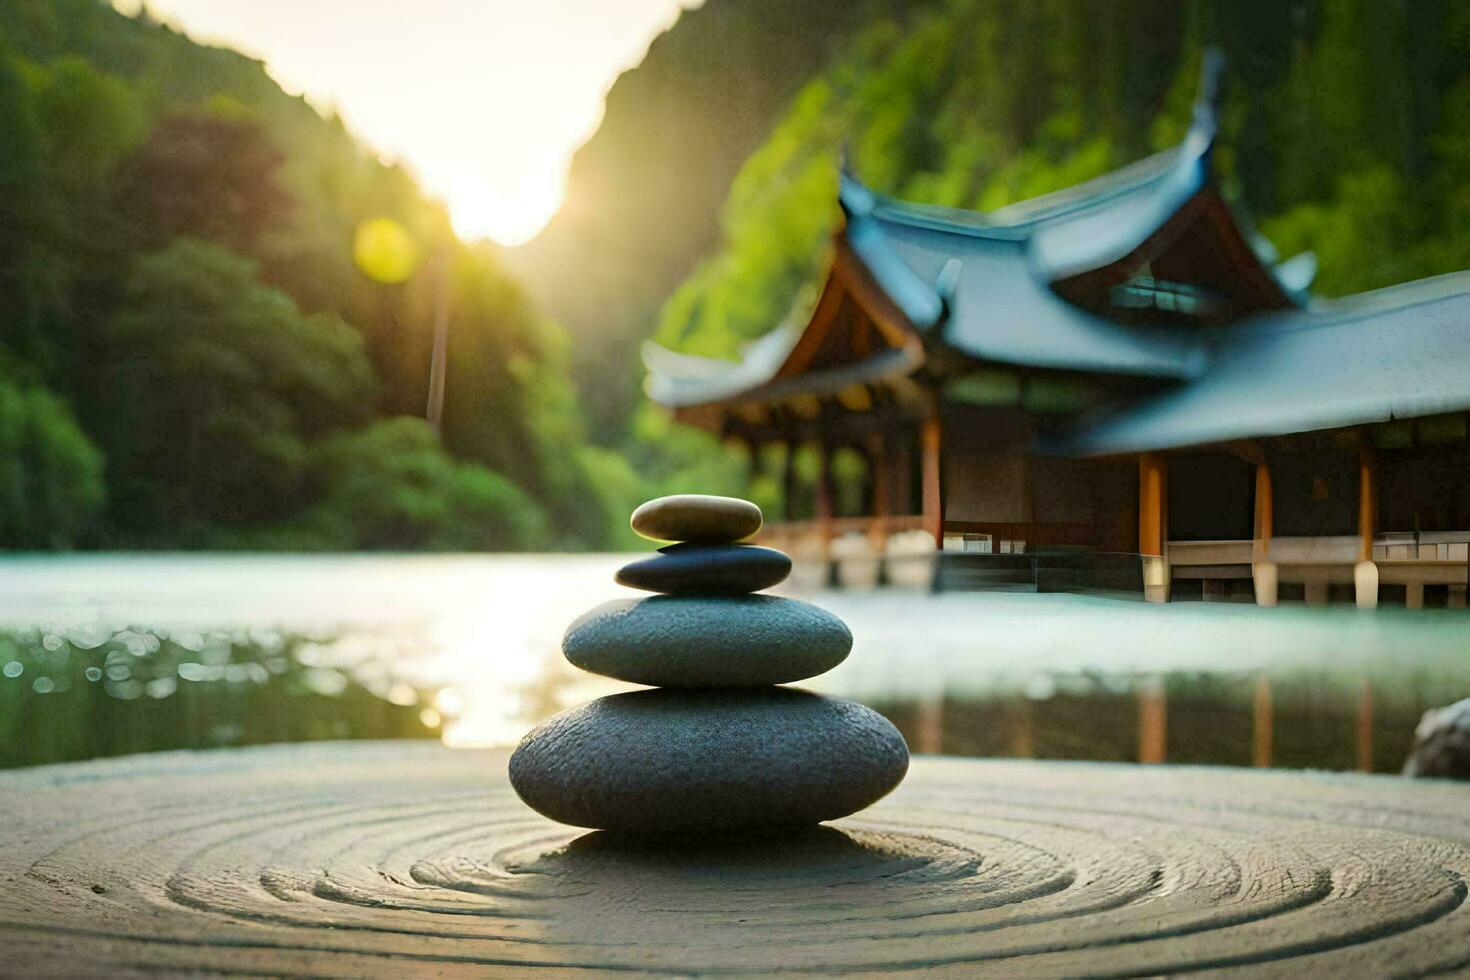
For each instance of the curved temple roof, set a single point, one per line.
(996, 309)
(982, 283)
(1395, 353)
(993, 287)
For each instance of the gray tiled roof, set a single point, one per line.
(1395, 353)
(981, 285)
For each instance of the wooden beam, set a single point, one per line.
(825, 511)
(878, 469)
(1264, 518)
(788, 482)
(1153, 502)
(892, 325)
(829, 306)
(1367, 502)
(931, 437)
(1265, 581)
(862, 334)
(1365, 572)
(1153, 526)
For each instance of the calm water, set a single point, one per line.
(105, 654)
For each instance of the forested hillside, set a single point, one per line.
(1347, 132)
(190, 356)
(209, 336)
(644, 193)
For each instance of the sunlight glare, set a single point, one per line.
(483, 102)
(510, 212)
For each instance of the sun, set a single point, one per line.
(511, 212)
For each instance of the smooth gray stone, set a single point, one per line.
(722, 569)
(697, 517)
(682, 763)
(1442, 743)
(707, 641)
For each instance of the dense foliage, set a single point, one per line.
(50, 473)
(216, 307)
(180, 304)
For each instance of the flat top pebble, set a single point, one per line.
(697, 517)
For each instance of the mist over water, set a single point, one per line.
(228, 650)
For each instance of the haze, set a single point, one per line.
(485, 100)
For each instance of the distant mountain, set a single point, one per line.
(216, 316)
(645, 191)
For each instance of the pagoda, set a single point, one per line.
(1113, 387)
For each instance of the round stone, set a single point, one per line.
(681, 763)
(1442, 743)
(723, 569)
(697, 517)
(707, 641)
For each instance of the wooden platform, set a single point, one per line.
(391, 859)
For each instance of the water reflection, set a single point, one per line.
(82, 692)
(235, 650)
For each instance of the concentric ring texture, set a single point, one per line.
(384, 859)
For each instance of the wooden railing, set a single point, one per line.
(1399, 558)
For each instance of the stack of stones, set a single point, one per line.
(717, 747)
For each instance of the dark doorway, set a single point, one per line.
(1211, 497)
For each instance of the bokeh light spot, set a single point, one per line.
(385, 251)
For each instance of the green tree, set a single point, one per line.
(392, 486)
(208, 174)
(215, 384)
(31, 286)
(51, 482)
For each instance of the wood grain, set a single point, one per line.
(386, 859)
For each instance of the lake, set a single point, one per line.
(102, 654)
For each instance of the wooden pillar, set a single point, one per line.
(1263, 569)
(879, 470)
(824, 506)
(788, 482)
(1153, 525)
(1153, 501)
(930, 442)
(1365, 573)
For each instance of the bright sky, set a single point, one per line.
(485, 100)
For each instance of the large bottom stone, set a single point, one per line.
(674, 762)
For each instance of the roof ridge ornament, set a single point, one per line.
(1200, 143)
(948, 280)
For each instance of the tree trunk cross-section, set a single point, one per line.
(390, 859)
